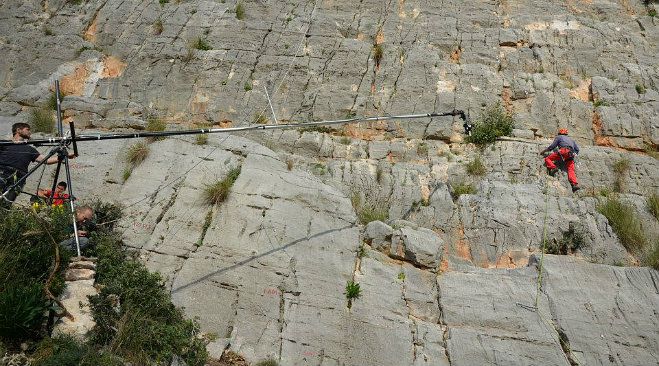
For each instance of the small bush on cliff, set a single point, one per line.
(42, 120)
(475, 167)
(625, 223)
(27, 259)
(653, 205)
(493, 122)
(216, 193)
(370, 200)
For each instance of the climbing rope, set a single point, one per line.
(544, 243)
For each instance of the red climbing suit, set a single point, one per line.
(566, 154)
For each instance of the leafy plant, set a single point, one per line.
(571, 241)
(154, 124)
(133, 313)
(600, 103)
(345, 140)
(640, 89)
(463, 188)
(201, 44)
(475, 167)
(493, 122)
(247, 86)
(353, 290)
(625, 223)
(158, 27)
(240, 11)
(620, 169)
(370, 200)
(652, 12)
(378, 53)
(260, 119)
(218, 192)
(22, 308)
(653, 259)
(653, 205)
(422, 149)
(42, 120)
(268, 362)
(401, 276)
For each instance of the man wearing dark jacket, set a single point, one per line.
(566, 150)
(15, 160)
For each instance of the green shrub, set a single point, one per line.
(493, 122)
(345, 140)
(378, 53)
(240, 11)
(370, 201)
(653, 205)
(22, 308)
(42, 120)
(571, 241)
(52, 100)
(475, 167)
(600, 103)
(201, 44)
(422, 149)
(353, 290)
(217, 192)
(653, 258)
(158, 27)
(640, 89)
(201, 139)
(146, 328)
(463, 188)
(321, 129)
(652, 12)
(268, 362)
(620, 169)
(247, 86)
(27, 252)
(260, 119)
(625, 223)
(154, 124)
(136, 154)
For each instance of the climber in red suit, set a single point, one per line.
(566, 149)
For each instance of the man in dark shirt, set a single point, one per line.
(15, 160)
(567, 150)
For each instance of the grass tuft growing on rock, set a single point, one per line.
(620, 170)
(201, 44)
(463, 188)
(240, 11)
(494, 122)
(154, 124)
(370, 200)
(475, 167)
(268, 362)
(653, 205)
(137, 153)
(216, 193)
(625, 223)
(352, 290)
(42, 120)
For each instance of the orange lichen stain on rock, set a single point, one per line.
(462, 247)
(513, 259)
(456, 54)
(199, 104)
(112, 67)
(225, 123)
(356, 131)
(90, 32)
(598, 138)
(582, 92)
(74, 83)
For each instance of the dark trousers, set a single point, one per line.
(7, 178)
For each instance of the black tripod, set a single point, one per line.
(61, 149)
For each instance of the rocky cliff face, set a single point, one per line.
(446, 279)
